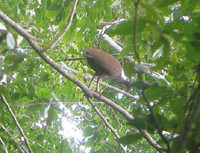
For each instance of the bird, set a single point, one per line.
(105, 66)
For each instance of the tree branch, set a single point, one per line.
(106, 122)
(84, 88)
(4, 145)
(156, 122)
(135, 97)
(74, 59)
(21, 148)
(17, 123)
(128, 117)
(190, 120)
(59, 37)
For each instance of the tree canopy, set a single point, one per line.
(44, 82)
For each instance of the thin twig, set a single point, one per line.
(190, 120)
(75, 59)
(17, 123)
(135, 23)
(21, 148)
(157, 124)
(59, 37)
(117, 118)
(2, 142)
(40, 145)
(52, 103)
(114, 131)
(4, 145)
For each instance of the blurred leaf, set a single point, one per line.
(108, 10)
(20, 58)
(44, 76)
(31, 90)
(52, 115)
(88, 131)
(193, 51)
(155, 92)
(44, 93)
(197, 35)
(196, 45)
(129, 69)
(65, 147)
(140, 84)
(129, 2)
(177, 107)
(130, 139)
(151, 12)
(125, 52)
(3, 90)
(15, 96)
(164, 3)
(125, 28)
(145, 122)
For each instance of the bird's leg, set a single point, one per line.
(91, 81)
(97, 87)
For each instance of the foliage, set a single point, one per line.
(166, 34)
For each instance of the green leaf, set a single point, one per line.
(44, 76)
(125, 28)
(164, 3)
(155, 92)
(52, 115)
(145, 122)
(31, 90)
(88, 131)
(65, 147)
(125, 52)
(193, 51)
(130, 139)
(108, 10)
(44, 93)
(3, 90)
(129, 69)
(148, 122)
(140, 84)
(177, 106)
(15, 96)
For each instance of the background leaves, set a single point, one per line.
(167, 37)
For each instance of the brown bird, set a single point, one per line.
(105, 66)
